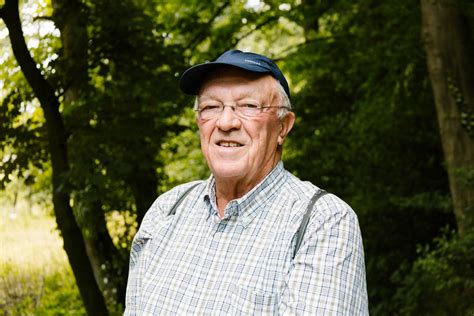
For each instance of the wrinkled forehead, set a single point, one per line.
(232, 80)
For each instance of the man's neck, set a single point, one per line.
(228, 190)
(231, 189)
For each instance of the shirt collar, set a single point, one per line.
(247, 207)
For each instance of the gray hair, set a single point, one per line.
(283, 101)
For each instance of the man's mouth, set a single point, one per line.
(229, 144)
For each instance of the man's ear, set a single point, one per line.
(286, 126)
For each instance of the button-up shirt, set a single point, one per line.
(195, 262)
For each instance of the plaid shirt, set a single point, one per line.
(195, 262)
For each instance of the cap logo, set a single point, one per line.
(252, 62)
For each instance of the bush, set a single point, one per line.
(34, 292)
(441, 280)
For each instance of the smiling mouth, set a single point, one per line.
(229, 144)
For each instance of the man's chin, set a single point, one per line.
(228, 171)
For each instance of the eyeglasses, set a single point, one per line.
(207, 112)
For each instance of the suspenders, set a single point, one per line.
(304, 223)
(181, 198)
(301, 229)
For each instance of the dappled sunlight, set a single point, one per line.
(32, 242)
(122, 226)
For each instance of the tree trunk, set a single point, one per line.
(450, 55)
(73, 240)
(109, 265)
(69, 18)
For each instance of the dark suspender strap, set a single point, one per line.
(304, 223)
(181, 198)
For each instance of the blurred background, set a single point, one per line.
(93, 128)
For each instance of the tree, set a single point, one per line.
(73, 240)
(449, 45)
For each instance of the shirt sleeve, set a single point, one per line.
(139, 253)
(327, 276)
(138, 257)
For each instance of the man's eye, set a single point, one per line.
(210, 108)
(249, 106)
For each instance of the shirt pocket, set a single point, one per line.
(247, 301)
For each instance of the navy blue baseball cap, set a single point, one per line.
(192, 79)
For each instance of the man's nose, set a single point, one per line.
(228, 120)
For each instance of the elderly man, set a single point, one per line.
(252, 239)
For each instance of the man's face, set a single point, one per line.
(240, 149)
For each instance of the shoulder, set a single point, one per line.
(329, 207)
(334, 221)
(298, 189)
(163, 204)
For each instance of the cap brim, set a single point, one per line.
(192, 79)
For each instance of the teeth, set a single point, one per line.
(229, 144)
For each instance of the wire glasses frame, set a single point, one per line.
(208, 112)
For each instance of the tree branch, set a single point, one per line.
(46, 18)
(294, 48)
(207, 26)
(257, 27)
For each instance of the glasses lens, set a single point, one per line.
(210, 111)
(248, 109)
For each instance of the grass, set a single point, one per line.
(35, 276)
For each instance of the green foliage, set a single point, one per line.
(35, 293)
(19, 291)
(122, 226)
(441, 280)
(59, 289)
(181, 154)
(35, 278)
(466, 176)
(22, 146)
(22, 133)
